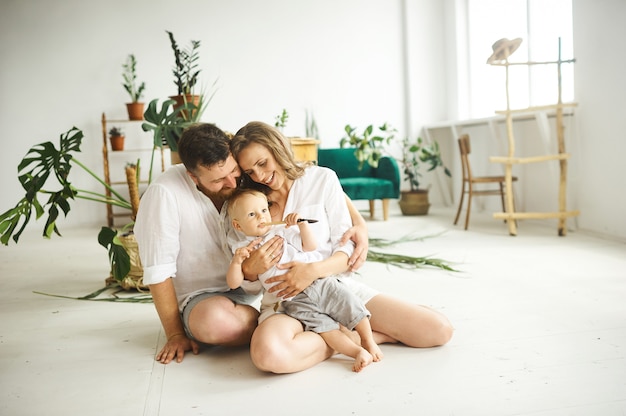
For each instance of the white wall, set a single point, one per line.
(600, 88)
(61, 67)
(343, 60)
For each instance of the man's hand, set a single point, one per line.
(358, 234)
(175, 347)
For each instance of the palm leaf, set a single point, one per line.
(408, 262)
(382, 242)
(93, 296)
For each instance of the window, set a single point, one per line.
(540, 24)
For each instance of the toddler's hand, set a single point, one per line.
(240, 255)
(291, 219)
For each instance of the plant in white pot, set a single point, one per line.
(414, 153)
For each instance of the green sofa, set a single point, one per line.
(367, 183)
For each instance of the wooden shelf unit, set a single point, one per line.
(111, 214)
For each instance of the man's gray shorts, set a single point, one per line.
(238, 296)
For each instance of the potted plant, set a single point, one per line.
(135, 90)
(168, 123)
(116, 136)
(369, 147)
(415, 200)
(185, 71)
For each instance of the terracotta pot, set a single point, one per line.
(414, 202)
(117, 142)
(135, 111)
(189, 98)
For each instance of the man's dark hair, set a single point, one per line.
(203, 145)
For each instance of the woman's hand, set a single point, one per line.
(358, 234)
(297, 278)
(175, 347)
(263, 258)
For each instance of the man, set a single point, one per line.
(184, 253)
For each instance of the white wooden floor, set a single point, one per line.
(540, 330)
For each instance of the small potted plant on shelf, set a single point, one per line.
(134, 89)
(116, 136)
(415, 200)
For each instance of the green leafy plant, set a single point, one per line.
(130, 84)
(45, 162)
(416, 152)
(119, 260)
(281, 119)
(186, 65)
(116, 131)
(168, 122)
(369, 147)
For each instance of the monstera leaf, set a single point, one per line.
(45, 163)
(118, 256)
(42, 161)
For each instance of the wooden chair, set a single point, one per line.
(469, 181)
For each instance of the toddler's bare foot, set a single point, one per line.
(362, 360)
(374, 350)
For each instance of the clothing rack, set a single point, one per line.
(562, 156)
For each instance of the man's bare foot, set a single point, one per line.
(362, 360)
(373, 349)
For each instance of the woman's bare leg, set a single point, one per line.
(413, 325)
(280, 345)
(220, 321)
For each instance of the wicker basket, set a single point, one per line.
(134, 279)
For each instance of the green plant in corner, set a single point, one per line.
(130, 84)
(416, 152)
(368, 147)
(185, 65)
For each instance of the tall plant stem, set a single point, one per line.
(89, 171)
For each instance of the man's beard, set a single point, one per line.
(222, 194)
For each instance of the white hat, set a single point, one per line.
(502, 49)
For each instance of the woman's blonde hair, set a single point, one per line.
(273, 140)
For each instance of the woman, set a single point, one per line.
(279, 344)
